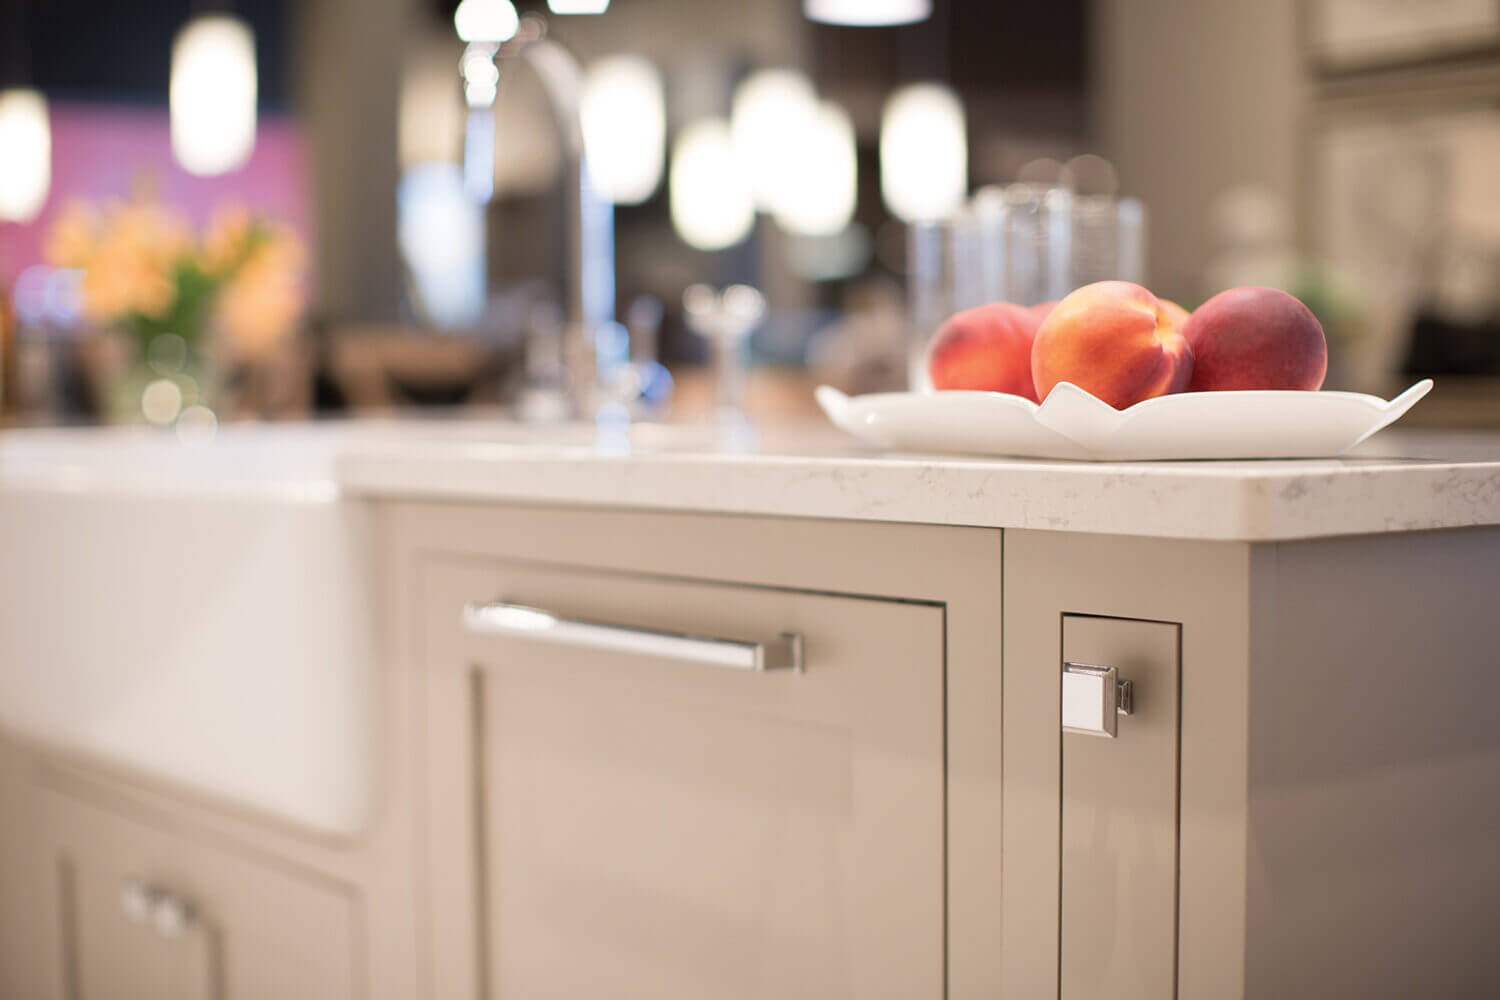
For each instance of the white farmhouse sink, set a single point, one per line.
(196, 613)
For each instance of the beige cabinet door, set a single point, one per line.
(158, 916)
(1119, 819)
(644, 827)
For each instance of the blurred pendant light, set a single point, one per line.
(624, 118)
(481, 85)
(484, 24)
(924, 153)
(867, 13)
(770, 109)
(711, 200)
(821, 202)
(213, 94)
(480, 74)
(578, 6)
(25, 154)
(486, 21)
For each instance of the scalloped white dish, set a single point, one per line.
(1072, 423)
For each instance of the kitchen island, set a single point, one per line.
(648, 719)
(1305, 799)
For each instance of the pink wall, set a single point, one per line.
(103, 150)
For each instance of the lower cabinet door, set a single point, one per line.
(150, 914)
(646, 818)
(1119, 819)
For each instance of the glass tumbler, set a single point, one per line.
(726, 320)
(1036, 237)
(1107, 240)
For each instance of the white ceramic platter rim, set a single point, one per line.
(1073, 424)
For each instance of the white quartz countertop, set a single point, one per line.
(1396, 482)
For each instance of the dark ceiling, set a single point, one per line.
(976, 45)
(120, 50)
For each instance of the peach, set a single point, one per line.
(1116, 340)
(985, 348)
(1256, 338)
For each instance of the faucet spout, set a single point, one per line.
(589, 284)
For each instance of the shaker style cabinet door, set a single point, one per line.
(148, 914)
(644, 814)
(1119, 816)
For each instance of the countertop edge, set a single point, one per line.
(1272, 507)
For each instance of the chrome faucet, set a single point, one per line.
(589, 285)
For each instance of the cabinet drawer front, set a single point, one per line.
(151, 913)
(651, 827)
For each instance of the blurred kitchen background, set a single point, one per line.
(583, 208)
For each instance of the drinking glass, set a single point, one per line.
(726, 321)
(1035, 231)
(1107, 240)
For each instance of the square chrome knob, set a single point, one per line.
(1093, 699)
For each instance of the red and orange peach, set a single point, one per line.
(1116, 340)
(985, 348)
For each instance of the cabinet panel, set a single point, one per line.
(1119, 820)
(952, 572)
(147, 913)
(655, 828)
(1091, 885)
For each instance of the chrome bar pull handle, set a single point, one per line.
(520, 621)
(1093, 699)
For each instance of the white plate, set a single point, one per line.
(1073, 423)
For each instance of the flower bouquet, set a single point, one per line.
(188, 303)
